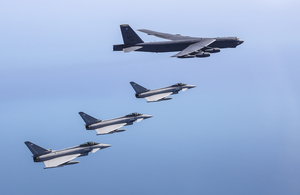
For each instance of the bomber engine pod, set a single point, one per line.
(213, 50)
(187, 56)
(202, 54)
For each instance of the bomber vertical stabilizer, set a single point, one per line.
(129, 36)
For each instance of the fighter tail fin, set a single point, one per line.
(137, 88)
(129, 36)
(88, 119)
(35, 149)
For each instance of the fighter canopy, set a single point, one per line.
(134, 114)
(179, 84)
(89, 144)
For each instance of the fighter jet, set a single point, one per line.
(189, 47)
(161, 94)
(60, 158)
(112, 125)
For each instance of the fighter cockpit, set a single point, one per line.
(134, 114)
(178, 84)
(89, 144)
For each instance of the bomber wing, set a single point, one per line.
(195, 47)
(157, 97)
(56, 162)
(176, 37)
(109, 129)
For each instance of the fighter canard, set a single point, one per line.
(159, 94)
(60, 158)
(189, 47)
(112, 125)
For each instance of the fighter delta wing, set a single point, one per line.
(188, 47)
(110, 129)
(60, 158)
(112, 125)
(161, 94)
(158, 97)
(60, 161)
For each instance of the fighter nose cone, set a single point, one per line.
(192, 86)
(241, 41)
(104, 146)
(147, 116)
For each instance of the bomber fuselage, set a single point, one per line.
(172, 46)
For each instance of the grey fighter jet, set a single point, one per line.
(112, 125)
(60, 158)
(189, 47)
(159, 94)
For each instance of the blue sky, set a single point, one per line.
(237, 132)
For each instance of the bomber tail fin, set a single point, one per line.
(138, 88)
(88, 119)
(35, 149)
(129, 36)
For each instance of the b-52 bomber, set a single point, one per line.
(112, 125)
(189, 47)
(161, 94)
(60, 158)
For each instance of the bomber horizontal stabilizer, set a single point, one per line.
(130, 49)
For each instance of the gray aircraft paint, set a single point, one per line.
(111, 125)
(132, 42)
(43, 155)
(142, 92)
